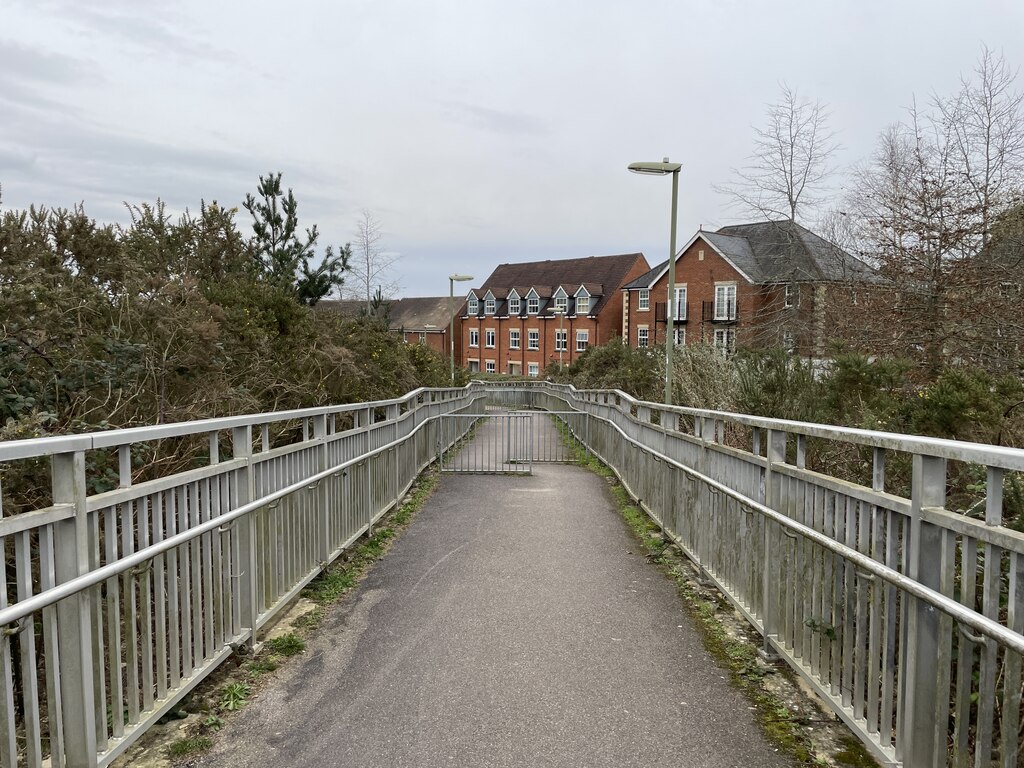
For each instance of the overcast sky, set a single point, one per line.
(476, 131)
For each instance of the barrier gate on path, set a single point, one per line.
(506, 442)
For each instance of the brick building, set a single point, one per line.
(530, 314)
(757, 285)
(425, 321)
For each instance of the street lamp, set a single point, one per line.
(452, 279)
(562, 341)
(662, 169)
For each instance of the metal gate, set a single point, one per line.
(509, 442)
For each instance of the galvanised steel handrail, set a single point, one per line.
(124, 600)
(870, 596)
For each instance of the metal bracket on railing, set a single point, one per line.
(228, 527)
(273, 505)
(140, 569)
(979, 639)
(864, 575)
(313, 486)
(23, 624)
(789, 535)
(238, 575)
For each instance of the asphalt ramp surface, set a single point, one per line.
(516, 622)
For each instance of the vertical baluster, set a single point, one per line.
(27, 647)
(54, 710)
(1012, 664)
(991, 583)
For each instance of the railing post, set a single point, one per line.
(245, 533)
(921, 649)
(323, 544)
(74, 633)
(770, 491)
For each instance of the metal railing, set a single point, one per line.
(118, 602)
(907, 618)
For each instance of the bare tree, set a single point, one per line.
(371, 267)
(926, 205)
(791, 161)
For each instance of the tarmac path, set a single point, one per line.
(516, 622)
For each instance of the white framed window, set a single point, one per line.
(514, 305)
(474, 337)
(643, 300)
(641, 336)
(561, 303)
(790, 296)
(679, 335)
(472, 305)
(582, 305)
(725, 340)
(679, 310)
(423, 337)
(513, 339)
(532, 305)
(533, 339)
(582, 340)
(489, 366)
(474, 366)
(725, 301)
(489, 336)
(489, 305)
(789, 341)
(533, 369)
(561, 341)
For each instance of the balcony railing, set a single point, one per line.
(727, 312)
(682, 312)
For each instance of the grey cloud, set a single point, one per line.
(496, 120)
(19, 63)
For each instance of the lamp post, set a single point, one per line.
(452, 279)
(562, 341)
(662, 169)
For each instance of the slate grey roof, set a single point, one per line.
(779, 252)
(417, 313)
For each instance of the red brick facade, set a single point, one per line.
(501, 342)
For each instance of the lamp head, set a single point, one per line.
(655, 169)
(460, 278)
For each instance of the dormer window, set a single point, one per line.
(532, 303)
(472, 304)
(561, 301)
(489, 305)
(582, 305)
(514, 304)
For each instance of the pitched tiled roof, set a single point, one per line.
(418, 313)
(602, 276)
(778, 252)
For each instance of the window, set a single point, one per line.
(725, 302)
(643, 300)
(679, 310)
(513, 339)
(533, 339)
(561, 341)
(489, 338)
(474, 366)
(680, 336)
(514, 305)
(789, 341)
(725, 340)
(641, 336)
(582, 340)
(582, 305)
(474, 337)
(561, 303)
(472, 306)
(791, 294)
(489, 305)
(423, 337)
(533, 369)
(490, 367)
(532, 305)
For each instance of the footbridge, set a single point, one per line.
(136, 561)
